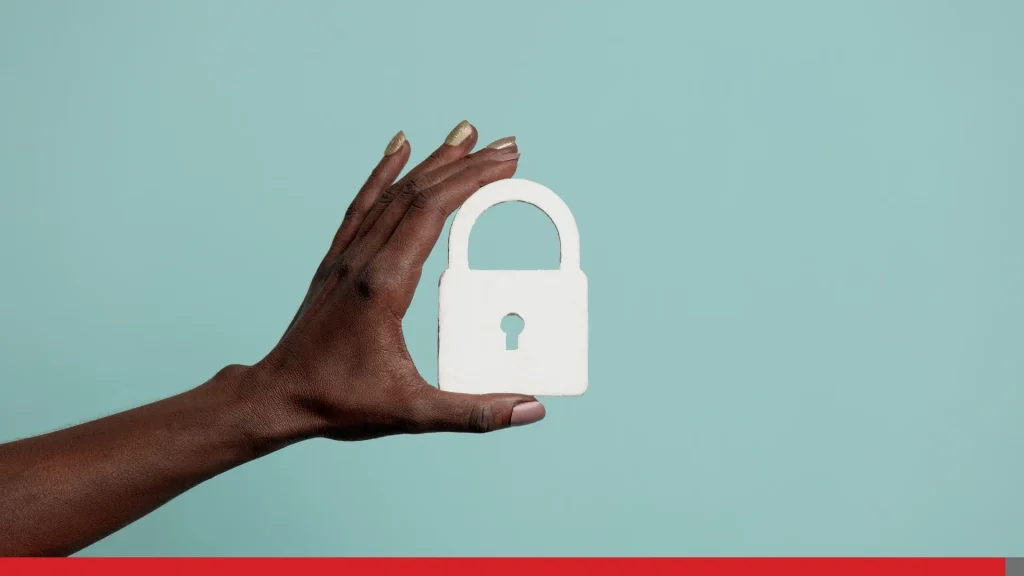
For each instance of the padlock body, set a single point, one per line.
(551, 359)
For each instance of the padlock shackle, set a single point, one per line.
(514, 190)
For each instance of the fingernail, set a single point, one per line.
(527, 413)
(505, 156)
(502, 143)
(396, 144)
(459, 134)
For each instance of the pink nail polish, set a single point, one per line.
(527, 413)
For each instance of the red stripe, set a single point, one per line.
(509, 566)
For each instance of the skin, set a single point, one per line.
(341, 371)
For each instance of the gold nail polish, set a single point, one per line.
(396, 144)
(505, 156)
(459, 134)
(502, 143)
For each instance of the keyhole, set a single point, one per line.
(512, 325)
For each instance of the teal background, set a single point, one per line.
(801, 222)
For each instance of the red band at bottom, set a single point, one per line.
(509, 566)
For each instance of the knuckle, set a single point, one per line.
(388, 195)
(366, 284)
(429, 203)
(481, 419)
(410, 187)
(421, 201)
(342, 268)
(372, 281)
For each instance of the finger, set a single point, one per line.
(459, 142)
(390, 166)
(456, 145)
(475, 413)
(393, 214)
(414, 237)
(428, 179)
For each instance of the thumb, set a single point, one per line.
(453, 412)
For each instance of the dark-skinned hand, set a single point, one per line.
(341, 370)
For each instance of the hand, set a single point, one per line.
(342, 369)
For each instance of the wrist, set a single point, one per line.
(267, 418)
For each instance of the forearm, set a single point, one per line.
(65, 490)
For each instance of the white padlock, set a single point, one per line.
(551, 356)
